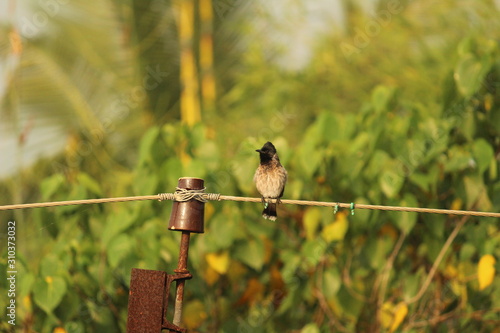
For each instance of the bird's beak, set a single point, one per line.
(258, 150)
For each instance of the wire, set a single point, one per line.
(78, 202)
(183, 195)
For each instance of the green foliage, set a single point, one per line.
(415, 125)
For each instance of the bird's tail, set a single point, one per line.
(269, 212)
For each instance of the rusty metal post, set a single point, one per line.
(187, 217)
(149, 290)
(181, 268)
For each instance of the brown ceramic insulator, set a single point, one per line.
(188, 215)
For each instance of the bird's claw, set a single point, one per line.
(264, 202)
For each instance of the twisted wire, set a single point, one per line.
(182, 195)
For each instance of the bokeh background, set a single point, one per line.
(391, 102)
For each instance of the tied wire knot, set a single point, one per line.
(182, 194)
(212, 196)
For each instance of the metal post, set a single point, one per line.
(181, 268)
(149, 290)
(186, 217)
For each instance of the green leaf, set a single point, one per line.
(195, 168)
(172, 169)
(251, 253)
(291, 262)
(391, 182)
(75, 327)
(208, 153)
(116, 223)
(338, 127)
(146, 182)
(470, 72)
(310, 328)
(118, 248)
(378, 162)
(476, 193)
(426, 180)
(309, 157)
(405, 221)
(494, 120)
(90, 184)
(467, 251)
(26, 282)
(292, 298)
(222, 225)
(376, 250)
(51, 266)
(382, 97)
(51, 185)
(493, 174)
(351, 306)
(48, 292)
(483, 154)
(435, 225)
(331, 282)
(312, 251)
(148, 245)
(412, 283)
(458, 159)
(147, 142)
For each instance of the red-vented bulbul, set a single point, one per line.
(270, 179)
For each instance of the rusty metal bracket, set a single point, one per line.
(148, 300)
(171, 278)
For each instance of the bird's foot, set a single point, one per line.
(264, 202)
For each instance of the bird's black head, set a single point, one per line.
(266, 152)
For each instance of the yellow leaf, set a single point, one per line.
(385, 314)
(194, 314)
(456, 204)
(486, 271)
(337, 229)
(400, 312)
(456, 286)
(211, 276)
(59, 330)
(312, 218)
(451, 271)
(27, 303)
(218, 261)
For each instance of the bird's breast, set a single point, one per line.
(270, 181)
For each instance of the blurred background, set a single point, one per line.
(391, 102)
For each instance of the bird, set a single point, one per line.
(270, 179)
